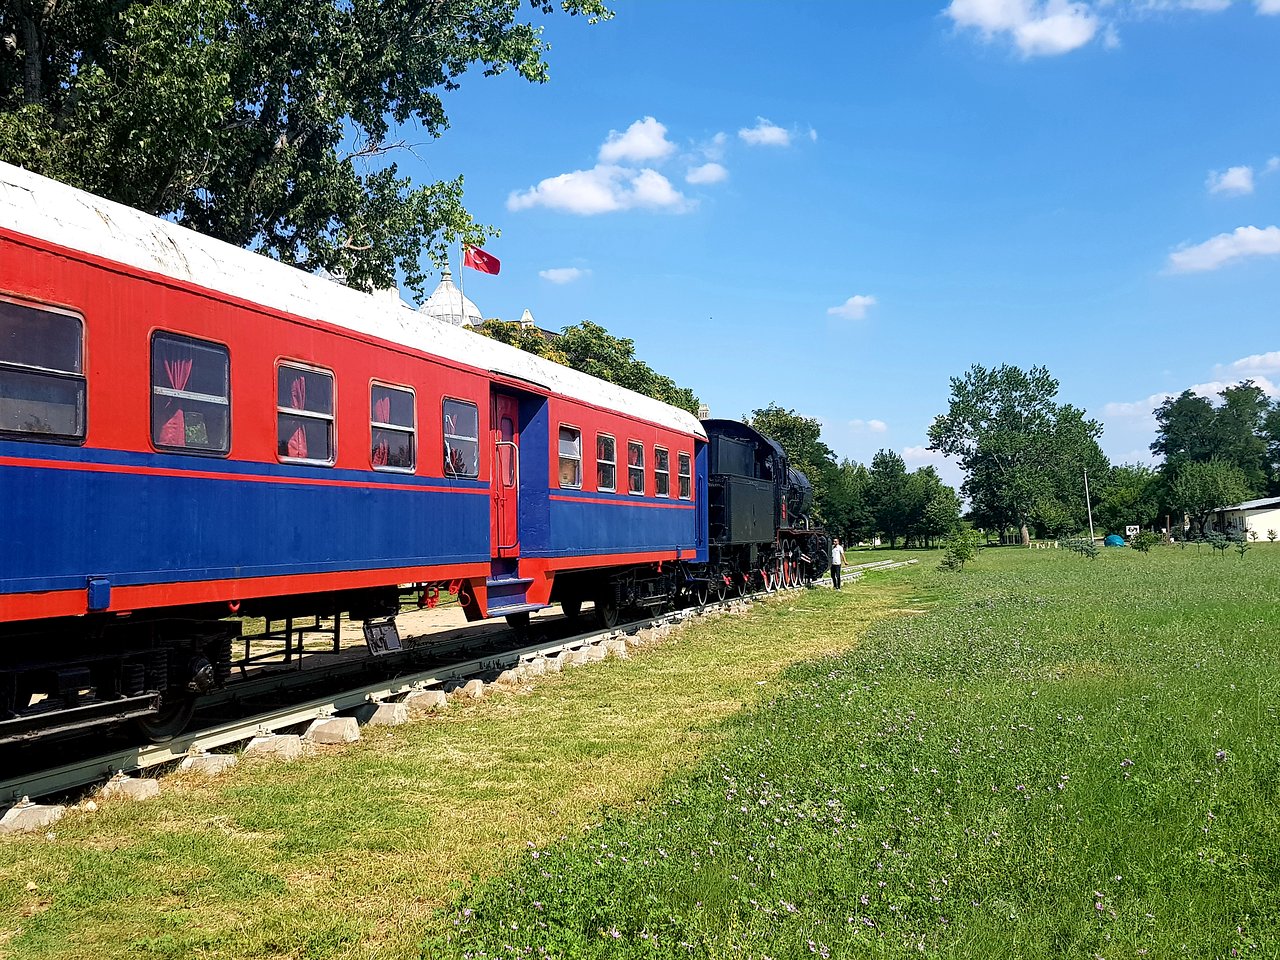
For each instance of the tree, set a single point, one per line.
(1019, 449)
(265, 123)
(1128, 494)
(529, 339)
(933, 508)
(1192, 429)
(590, 348)
(1200, 488)
(891, 497)
(847, 511)
(801, 439)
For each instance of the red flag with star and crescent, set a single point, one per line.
(477, 259)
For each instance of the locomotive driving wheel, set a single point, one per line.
(176, 711)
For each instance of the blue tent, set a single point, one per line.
(1114, 540)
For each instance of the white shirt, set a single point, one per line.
(837, 556)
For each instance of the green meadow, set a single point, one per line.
(1040, 756)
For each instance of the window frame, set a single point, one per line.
(445, 437)
(657, 488)
(613, 488)
(75, 376)
(174, 335)
(684, 475)
(639, 468)
(330, 418)
(412, 431)
(561, 457)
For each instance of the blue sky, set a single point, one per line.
(837, 206)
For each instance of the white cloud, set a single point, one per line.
(1235, 180)
(644, 140)
(1257, 363)
(765, 134)
(813, 135)
(563, 274)
(1268, 6)
(919, 456)
(602, 189)
(1036, 27)
(1145, 409)
(871, 426)
(855, 308)
(1274, 163)
(1226, 247)
(707, 173)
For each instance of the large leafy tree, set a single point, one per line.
(266, 123)
(891, 497)
(1201, 487)
(1021, 450)
(1193, 429)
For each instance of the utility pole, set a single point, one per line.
(1088, 503)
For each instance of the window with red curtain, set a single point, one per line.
(190, 394)
(635, 467)
(304, 414)
(392, 428)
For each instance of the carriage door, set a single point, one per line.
(506, 476)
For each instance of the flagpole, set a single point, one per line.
(462, 286)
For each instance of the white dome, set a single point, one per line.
(448, 304)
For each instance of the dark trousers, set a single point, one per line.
(835, 575)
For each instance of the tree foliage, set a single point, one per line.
(592, 349)
(265, 123)
(1127, 494)
(1023, 454)
(1239, 430)
(1201, 487)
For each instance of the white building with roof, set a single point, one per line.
(1253, 518)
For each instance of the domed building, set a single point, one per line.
(448, 303)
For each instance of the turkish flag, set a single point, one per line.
(477, 259)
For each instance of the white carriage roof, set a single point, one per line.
(56, 213)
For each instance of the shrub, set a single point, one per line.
(1144, 541)
(962, 546)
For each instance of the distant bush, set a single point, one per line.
(1144, 541)
(1081, 545)
(962, 546)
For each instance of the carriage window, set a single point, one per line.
(685, 478)
(606, 463)
(661, 472)
(570, 457)
(42, 392)
(635, 467)
(190, 394)
(461, 439)
(304, 415)
(392, 428)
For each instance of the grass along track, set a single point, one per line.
(355, 852)
(1059, 757)
(1062, 758)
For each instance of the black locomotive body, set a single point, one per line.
(759, 528)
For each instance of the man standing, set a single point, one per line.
(837, 561)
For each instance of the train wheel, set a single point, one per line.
(175, 713)
(519, 624)
(572, 608)
(607, 612)
(701, 591)
(769, 574)
(740, 585)
(721, 588)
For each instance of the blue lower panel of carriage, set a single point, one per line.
(61, 525)
(585, 527)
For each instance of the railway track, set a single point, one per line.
(465, 654)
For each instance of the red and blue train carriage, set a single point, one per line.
(190, 430)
